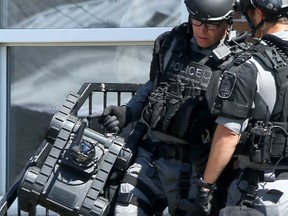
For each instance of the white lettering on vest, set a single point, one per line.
(199, 75)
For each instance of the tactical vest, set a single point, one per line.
(178, 105)
(266, 140)
(181, 89)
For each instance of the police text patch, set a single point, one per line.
(199, 75)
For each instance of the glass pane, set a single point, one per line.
(21, 14)
(41, 77)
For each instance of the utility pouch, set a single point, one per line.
(279, 142)
(159, 108)
(157, 105)
(268, 144)
(182, 118)
(259, 142)
(172, 106)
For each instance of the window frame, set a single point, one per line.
(3, 117)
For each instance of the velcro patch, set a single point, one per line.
(227, 84)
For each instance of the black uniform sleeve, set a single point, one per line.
(236, 92)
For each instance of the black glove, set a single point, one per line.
(113, 118)
(202, 205)
(205, 196)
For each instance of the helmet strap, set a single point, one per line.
(257, 27)
(229, 21)
(253, 27)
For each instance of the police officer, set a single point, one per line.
(185, 65)
(252, 108)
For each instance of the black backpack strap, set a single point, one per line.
(250, 175)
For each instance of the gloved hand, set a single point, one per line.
(203, 199)
(113, 118)
(202, 205)
(205, 196)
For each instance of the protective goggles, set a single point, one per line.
(209, 25)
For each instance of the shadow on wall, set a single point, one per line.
(29, 129)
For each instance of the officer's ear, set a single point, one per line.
(259, 16)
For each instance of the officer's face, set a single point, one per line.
(205, 35)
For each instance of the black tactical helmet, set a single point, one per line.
(210, 10)
(244, 5)
(278, 7)
(274, 9)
